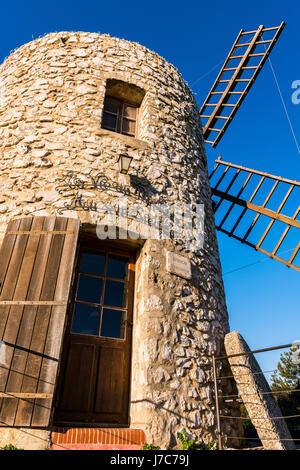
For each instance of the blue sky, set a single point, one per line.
(263, 300)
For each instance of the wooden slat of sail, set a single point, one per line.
(215, 122)
(259, 210)
(39, 268)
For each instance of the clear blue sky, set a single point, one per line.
(263, 300)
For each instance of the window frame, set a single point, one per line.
(92, 245)
(120, 116)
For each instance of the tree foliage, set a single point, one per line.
(286, 379)
(287, 374)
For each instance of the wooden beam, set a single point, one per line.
(277, 212)
(295, 253)
(259, 214)
(256, 208)
(245, 209)
(287, 263)
(251, 45)
(227, 189)
(39, 232)
(222, 70)
(32, 302)
(237, 71)
(25, 395)
(253, 78)
(238, 195)
(219, 161)
(285, 233)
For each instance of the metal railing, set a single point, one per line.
(236, 398)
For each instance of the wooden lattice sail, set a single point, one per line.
(244, 201)
(241, 67)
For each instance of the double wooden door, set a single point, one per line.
(94, 378)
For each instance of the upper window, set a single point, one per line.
(119, 116)
(121, 107)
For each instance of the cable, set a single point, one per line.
(258, 439)
(207, 73)
(262, 393)
(245, 266)
(253, 373)
(256, 262)
(284, 105)
(254, 419)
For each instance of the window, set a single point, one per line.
(101, 301)
(119, 116)
(121, 107)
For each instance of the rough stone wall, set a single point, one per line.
(51, 101)
(177, 324)
(25, 439)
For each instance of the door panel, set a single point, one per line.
(110, 381)
(78, 371)
(94, 380)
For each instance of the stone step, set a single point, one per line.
(68, 438)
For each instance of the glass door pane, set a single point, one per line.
(85, 320)
(113, 323)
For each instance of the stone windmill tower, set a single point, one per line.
(102, 330)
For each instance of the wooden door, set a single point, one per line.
(95, 372)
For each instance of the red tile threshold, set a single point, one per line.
(65, 438)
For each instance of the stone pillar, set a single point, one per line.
(260, 404)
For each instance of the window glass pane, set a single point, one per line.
(92, 263)
(89, 289)
(109, 121)
(115, 294)
(128, 127)
(117, 266)
(129, 111)
(113, 323)
(112, 105)
(86, 320)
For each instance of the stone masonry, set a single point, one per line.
(51, 101)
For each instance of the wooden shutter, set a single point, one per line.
(36, 265)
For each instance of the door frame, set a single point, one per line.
(121, 247)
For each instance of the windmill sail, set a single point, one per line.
(249, 206)
(241, 67)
